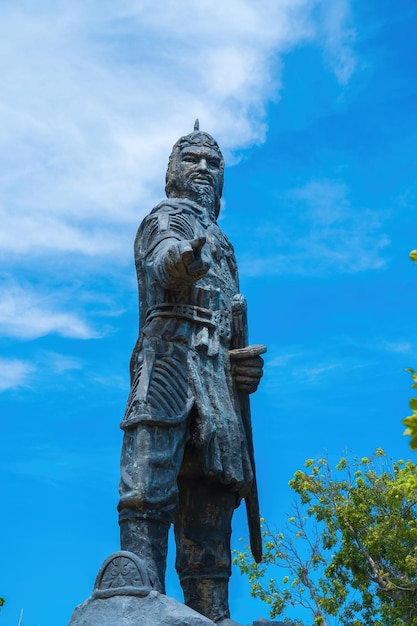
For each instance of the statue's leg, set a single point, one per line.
(150, 463)
(202, 533)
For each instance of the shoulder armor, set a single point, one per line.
(164, 221)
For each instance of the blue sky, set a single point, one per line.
(314, 105)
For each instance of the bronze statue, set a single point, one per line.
(187, 455)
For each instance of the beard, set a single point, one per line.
(201, 188)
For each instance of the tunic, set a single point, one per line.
(180, 366)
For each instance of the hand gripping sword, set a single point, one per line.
(241, 349)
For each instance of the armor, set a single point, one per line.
(181, 360)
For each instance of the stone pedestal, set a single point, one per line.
(123, 596)
(153, 610)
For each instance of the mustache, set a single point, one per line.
(206, 176)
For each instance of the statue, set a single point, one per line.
(187, 455)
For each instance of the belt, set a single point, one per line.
(219, 320)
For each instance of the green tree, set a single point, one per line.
(349, 551)
(2, 601)
(411, 420)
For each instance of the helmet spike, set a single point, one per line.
(196, 125)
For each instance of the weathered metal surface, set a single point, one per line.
(187, 455)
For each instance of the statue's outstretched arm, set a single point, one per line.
(179, 263)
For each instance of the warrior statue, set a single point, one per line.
(187, 455)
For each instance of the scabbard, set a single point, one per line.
(242, 350)
(251, 500)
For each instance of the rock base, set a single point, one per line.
(153, 610)
(123, 596)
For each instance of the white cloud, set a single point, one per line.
(401, 347)
(95, 93)
(281, 360)
(14, 373)
(304, 365)
(327, 235)
(395, 347)
(339, 36)
(339, 363)
(25, 314)
(60, 363)
(114, 382)
(314, 374)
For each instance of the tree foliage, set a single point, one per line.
(411, 420)
(349, 551)
(2, 601)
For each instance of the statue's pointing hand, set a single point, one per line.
(190, 252)
(179, 263)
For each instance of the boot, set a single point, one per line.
(147, 539)
(208, 596)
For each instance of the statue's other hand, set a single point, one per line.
(190, 252)
(247, 373)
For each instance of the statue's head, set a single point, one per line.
(196, 169)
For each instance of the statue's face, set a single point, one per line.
(198, 171)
